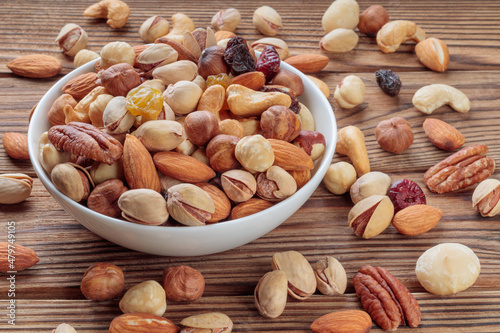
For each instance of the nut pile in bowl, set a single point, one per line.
(155, 138)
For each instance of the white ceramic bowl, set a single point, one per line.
(188, 241)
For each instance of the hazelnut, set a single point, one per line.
(312, 142)
(339, 177)
(104, 198)
(200, 127)
(183, 283)
(145, 297)
(372, 19)
(279, 122)
(212, 62)
(119, 79)
(220, 151)
(102, 281)
(290, 80)
(394, 135)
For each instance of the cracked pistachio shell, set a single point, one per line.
(48, 155)
(271, 294)
(160, 135)
(72, 180)
(371, 183)
(267, 20)
(275, 184)
(380, 218)
(143, 206)
(72, 38)
(153, 28)
(157, 55)
(489, 191)
(330, 276)
(207, 322)
(239, 185)
(15, 187)
(116, 118)
(189, 205)
(299, 273)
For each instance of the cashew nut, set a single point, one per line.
(181, 23)
(351, 142)
(243, 101)
(429, 98)
(395, 33)
(116, 11)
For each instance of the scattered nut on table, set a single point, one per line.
(299, 273)
(226, 19)
(153, 28)
(371, 183)
(271, 294)
(395, 33)
(102, 281)
(447, 268)
(183, 283)
(371, 216)
(117, 12)
(431, 97)
(330, 275)
(339, 40)
(131, 322)
(64, 328)
(394, 135)
(212, 321)
(341, 14)
(486, 197)
(267, 20)
(25, 257)
(71, 39)
(372, 19)
(343, 321)
(16, 145)
(416, 219)
(433, 53)
(339, 177)
(145, 297)
(351, 142)
(350, 92)
(443, 135)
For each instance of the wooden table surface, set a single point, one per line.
(48, 293)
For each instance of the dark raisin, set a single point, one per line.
(388, 81)
(238, 56)
(404, 193)
(268, 62)
(295, 106)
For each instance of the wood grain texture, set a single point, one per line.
(48, 294)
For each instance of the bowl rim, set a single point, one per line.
(45, 103)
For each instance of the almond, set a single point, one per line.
(16, 145)
(348, 321)
(252, 80)
(249, 207)
(183, 167)
(35, 66)
(443, 135)
(221, 202)
(308, 63)
(138, 165)
(142, 323)
(416, 219)
(81, 85)
(289, 156)
(301, 176)
(15, 257)
(433, 53)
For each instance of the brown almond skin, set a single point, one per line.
(308, 63)
(443, 135)
(138, 165)
(348, 321)
(182, 167)
(252, 80)
(416, 219)
(221, 202)
(24, 257)
(249, 207)
(16, 145)
(37, 66)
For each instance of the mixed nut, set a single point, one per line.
(126, 139)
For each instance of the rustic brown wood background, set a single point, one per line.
(48, 294)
